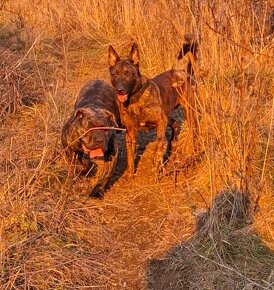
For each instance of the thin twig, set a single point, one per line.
(25, 56)
(96, 128)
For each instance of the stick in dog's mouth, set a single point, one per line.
(105, 128)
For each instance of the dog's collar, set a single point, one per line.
(136, 98)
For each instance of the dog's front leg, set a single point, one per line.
(109, 166)
(131, 147)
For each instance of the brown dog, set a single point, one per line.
(82, 137)
(146, 104)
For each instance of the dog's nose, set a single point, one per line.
(99, 141)
(121, 92)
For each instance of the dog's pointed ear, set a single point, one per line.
(113, 56)
(134, 54)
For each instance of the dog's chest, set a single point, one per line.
(142, 117)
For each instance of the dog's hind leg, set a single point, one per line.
(160, 143)
(173, 124)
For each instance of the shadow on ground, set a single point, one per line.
(222, 254)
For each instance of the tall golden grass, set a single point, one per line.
(52, 236)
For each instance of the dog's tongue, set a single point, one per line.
(93, 153)
(122, 98)
(96, 153)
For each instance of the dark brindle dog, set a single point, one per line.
(95, 107)
(146, 104)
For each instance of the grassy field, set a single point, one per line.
(209, 222)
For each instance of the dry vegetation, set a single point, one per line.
(144, 234)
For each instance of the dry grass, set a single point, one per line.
(18, 83)
(52, 236)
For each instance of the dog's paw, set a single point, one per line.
(159, 173)
(162, 171)
(97, 192)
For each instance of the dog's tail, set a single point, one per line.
(189, 50)
(190, 45)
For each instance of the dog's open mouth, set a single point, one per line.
(122, 97)
(94, 153)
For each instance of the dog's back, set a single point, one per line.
(98, 94)
(169, 94)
